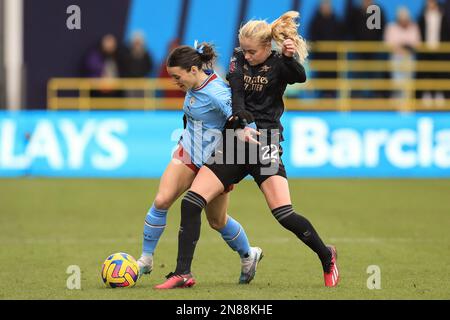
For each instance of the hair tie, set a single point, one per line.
(199, 50)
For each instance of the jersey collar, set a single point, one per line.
(205, 83)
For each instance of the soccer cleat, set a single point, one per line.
(332, 276)
(177, 281)
(145, 264)
(249, 265)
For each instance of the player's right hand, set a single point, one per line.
(288, 48)
(248, 135)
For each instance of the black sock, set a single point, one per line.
(191, 210)
(304, 230)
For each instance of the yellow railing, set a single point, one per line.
(149, 94)
(146, 89)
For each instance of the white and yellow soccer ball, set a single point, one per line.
(120, 270)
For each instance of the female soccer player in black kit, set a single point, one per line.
(258, 77)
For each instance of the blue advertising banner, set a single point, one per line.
(140, 143)
(87, 144)
(367, 144)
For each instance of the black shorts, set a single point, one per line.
(260, 161)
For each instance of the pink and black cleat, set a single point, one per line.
(332, 276)
(177, 281)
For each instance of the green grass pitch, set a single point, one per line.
(401, 226)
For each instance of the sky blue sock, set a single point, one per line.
(235, 236)
(154, 225)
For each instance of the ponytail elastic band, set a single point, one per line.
(199, 50)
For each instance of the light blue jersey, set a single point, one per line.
(207, 109)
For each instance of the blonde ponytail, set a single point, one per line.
(285, 27)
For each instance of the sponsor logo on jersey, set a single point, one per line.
(264, 69)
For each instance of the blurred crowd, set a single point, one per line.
(403, 36)
(109, 59)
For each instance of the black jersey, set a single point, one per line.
(259, 89)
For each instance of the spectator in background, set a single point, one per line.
(434, 29)
(137, 60)
(103, 62)
(325, 27)
(137, 63)
(357, 30)
(402, 37)
(356, 19)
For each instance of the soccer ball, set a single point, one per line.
(120, 270)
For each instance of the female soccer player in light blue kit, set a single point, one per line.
(207, 106)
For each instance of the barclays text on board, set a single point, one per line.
(139, 144)
(64, 146)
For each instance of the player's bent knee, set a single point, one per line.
(216, 224)
(163, 201)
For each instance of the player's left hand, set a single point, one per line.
(288, 48)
